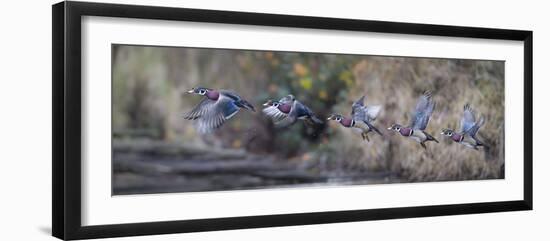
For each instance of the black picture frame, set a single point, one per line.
(66, 159)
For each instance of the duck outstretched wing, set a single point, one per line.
(360, 112)
(215, 113)
(468, 119)
(200, 109)
(274, 113)
(422, 112)
(290, 118)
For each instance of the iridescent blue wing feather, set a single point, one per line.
(305, 113)
(239, 101)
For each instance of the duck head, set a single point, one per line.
(395, 127)
(199, 91)
(209, 93)
(287, 99)
(344, 121)
(272, 103)
(335, 117)
(447, 132)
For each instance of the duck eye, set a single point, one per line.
(202, 92)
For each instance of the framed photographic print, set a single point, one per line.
(170, 120)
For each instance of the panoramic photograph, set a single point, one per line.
(188, 119)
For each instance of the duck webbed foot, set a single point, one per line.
(365, 136)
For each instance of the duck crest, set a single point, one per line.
(457, 137)
(213, 95)
(285, 108)
(346, 122)
(405, 131)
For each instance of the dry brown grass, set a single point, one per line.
(396, 83)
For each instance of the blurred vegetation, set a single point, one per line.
(149, 98)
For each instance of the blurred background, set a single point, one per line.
(155, 150)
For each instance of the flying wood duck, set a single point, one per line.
(420, 118)
(469, 129)
(361, 118)
(216, 108)
(288, 110)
